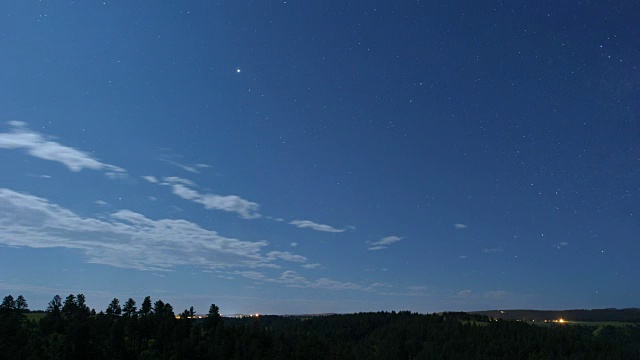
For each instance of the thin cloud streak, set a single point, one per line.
(315, 226)
(384, 242)
(187, 168)
(229, 203)
(151, 179)
(285, 255)
(291, 278)
(37, 145)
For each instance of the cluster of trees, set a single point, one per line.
(69, 330)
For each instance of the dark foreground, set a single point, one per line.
(69, 330)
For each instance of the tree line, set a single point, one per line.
(70, 330)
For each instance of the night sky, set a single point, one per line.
(321, 156)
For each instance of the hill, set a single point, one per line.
(621, 315)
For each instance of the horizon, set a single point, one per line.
(296, 157)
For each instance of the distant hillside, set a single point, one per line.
(624, 315)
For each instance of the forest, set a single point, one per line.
(68, 329)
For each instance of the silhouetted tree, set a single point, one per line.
(55, 305)
(8, 303)
(114, 308)
(69, 307)
(146, 308)
(21, 303)
(158, 308)
(213, 317)
(81, 305)
(129, 308)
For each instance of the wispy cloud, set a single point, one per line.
(151, 179)
(101, 202)
(417, 288)
(315, 226)
(380, 285)
(187, 168)
(384, 242)
(293, 279)
(486, 251)
(285, 255)
(126, 239)
(178, 180)
(561, 244)
(311, 266)
(37, 145)
(460, 226)
(230, 203)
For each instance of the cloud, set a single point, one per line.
(561, 244)
(39, 146)
(382, 243)
(294, 244)
(311, 266)
(285, 255)
(462, 257)
(492, 296)
(417, 288)
(177, 180)
(151, 179)
(116, 175)
(315, 226)
(230, 203)
(203, 166)
(253, 275)
(187, 168)
(387, 240)
(125, 239)
(460, 226)
(291, 278)
(100, 202)
(491, 250)
(376, 285)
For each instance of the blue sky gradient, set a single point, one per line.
(302, 157)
